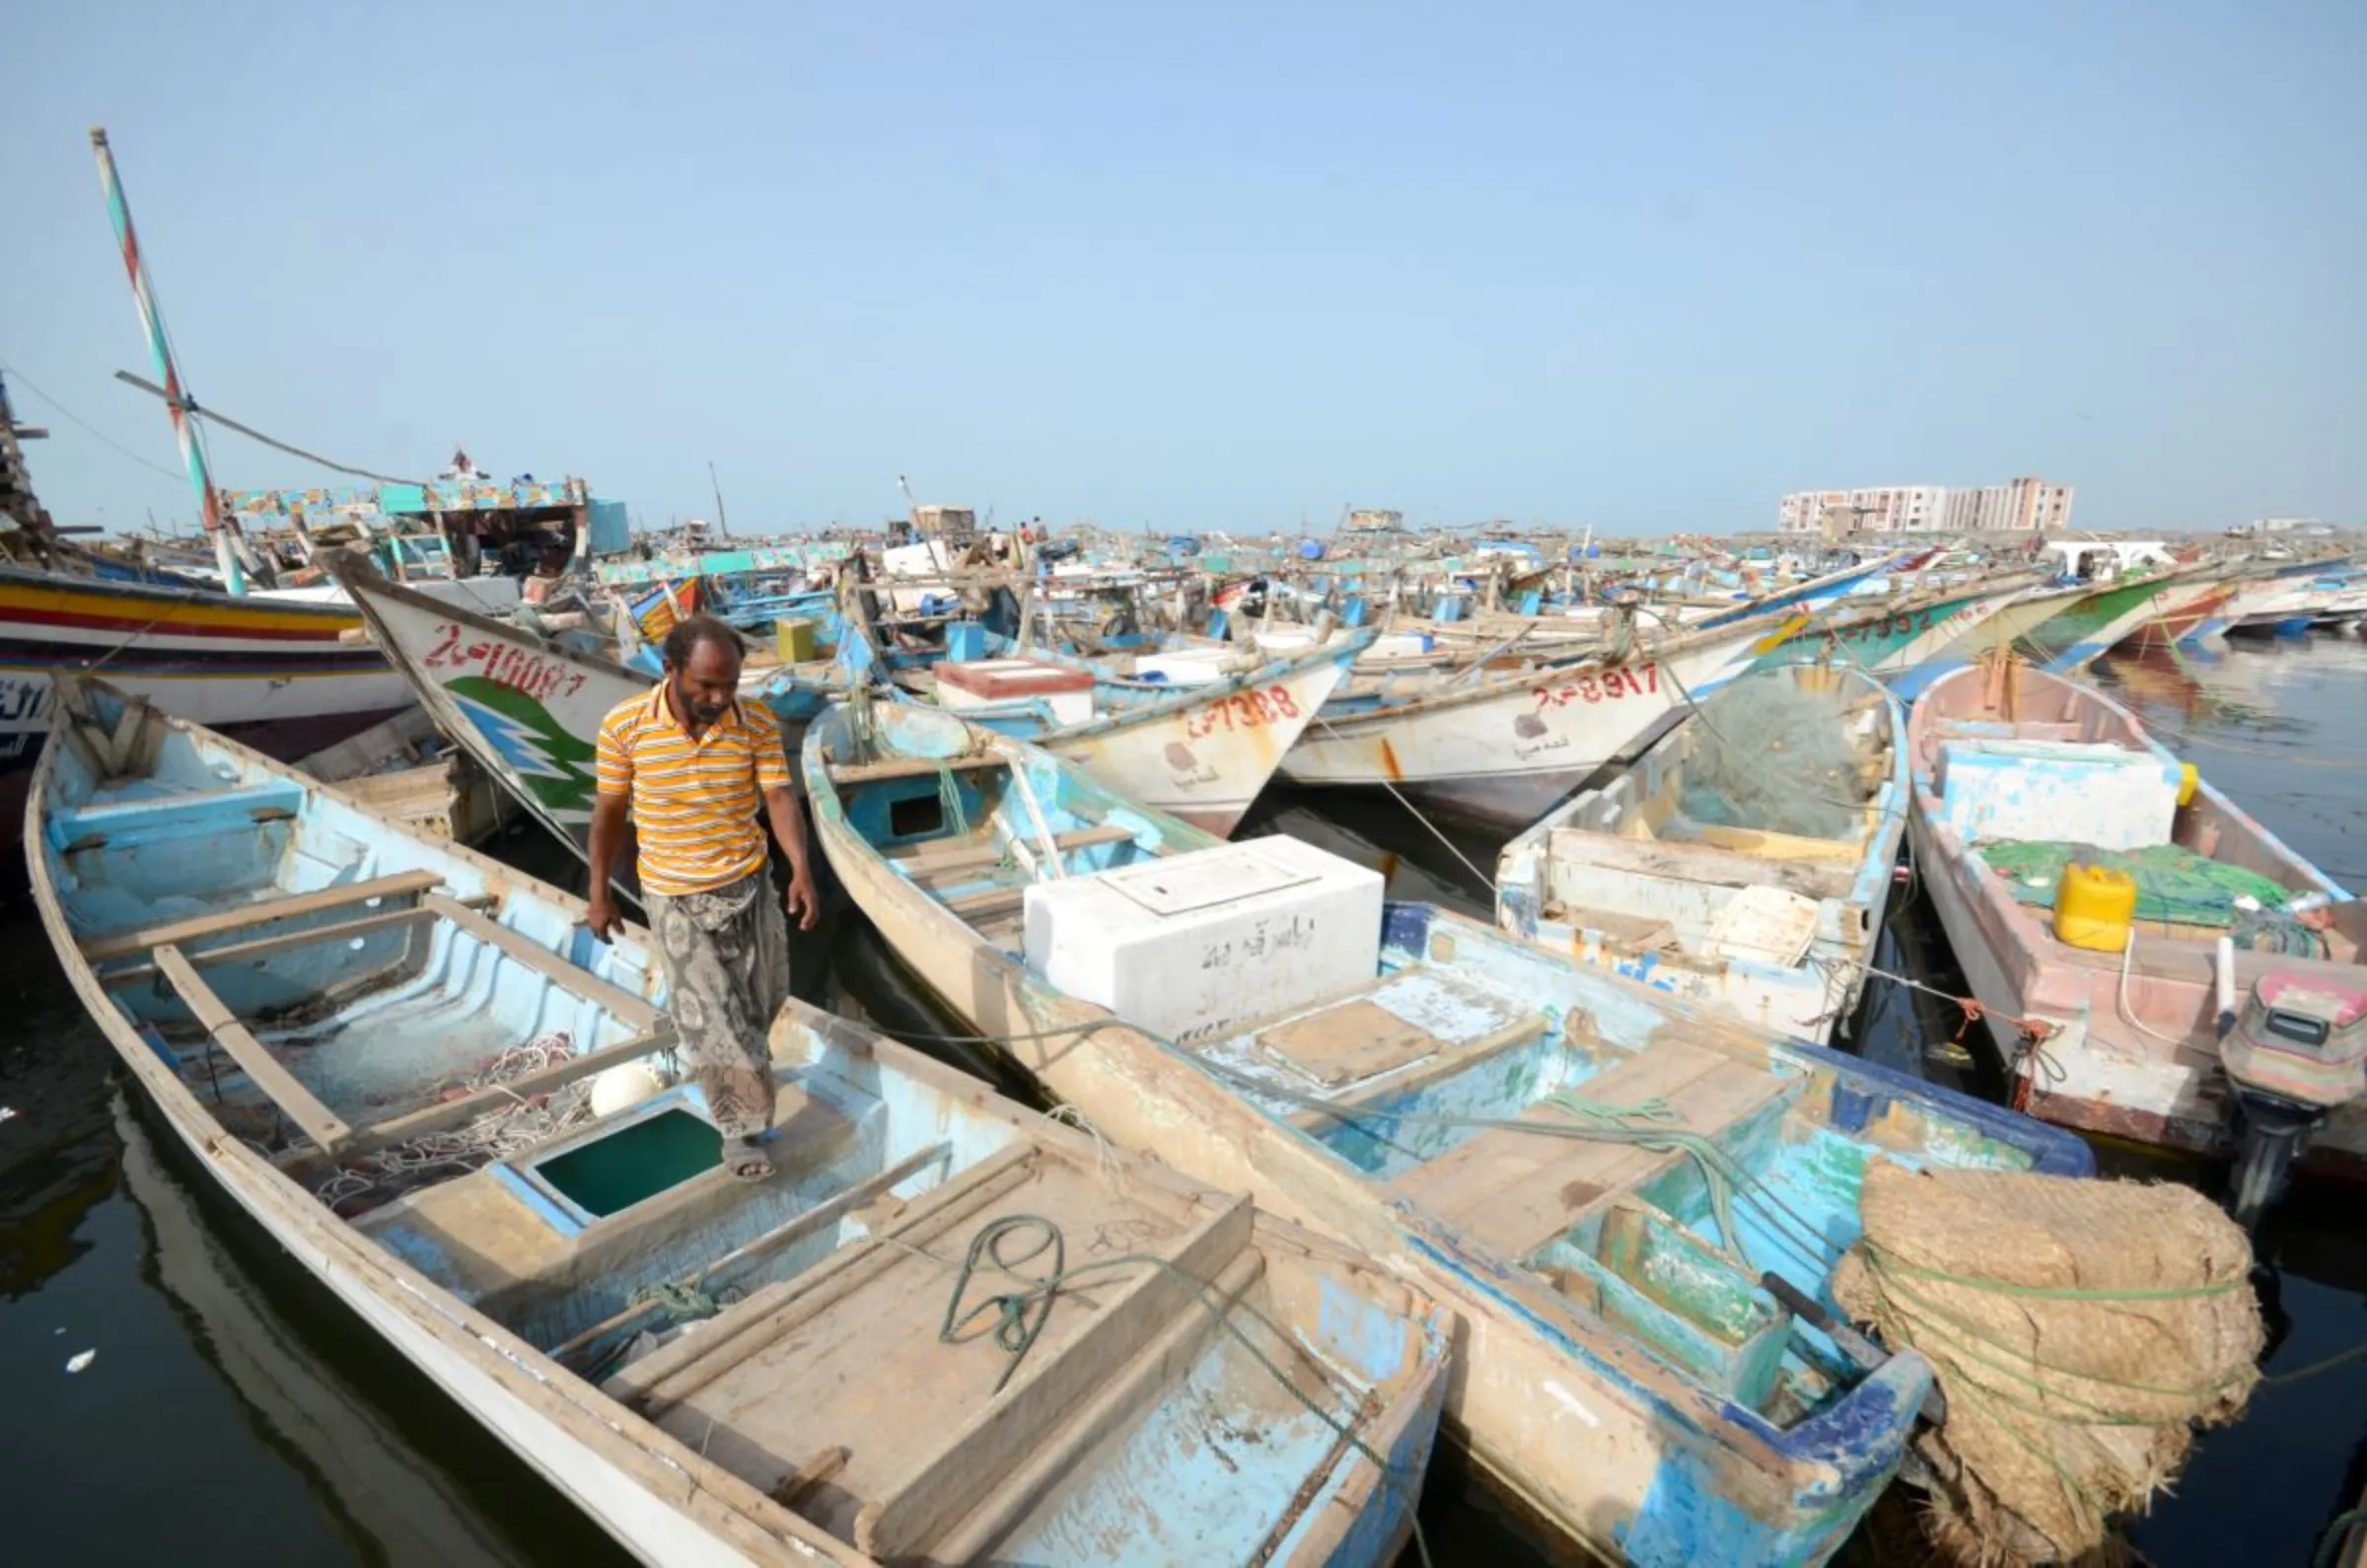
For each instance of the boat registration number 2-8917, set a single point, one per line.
(1244, 710)
(1611, 685)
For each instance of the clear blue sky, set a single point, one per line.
(1214, 265)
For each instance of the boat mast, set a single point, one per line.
(223, 531)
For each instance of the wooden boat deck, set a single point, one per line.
(836, 1391)
(1416, 1028)
(1519, 1191)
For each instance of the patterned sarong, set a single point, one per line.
(726, 953)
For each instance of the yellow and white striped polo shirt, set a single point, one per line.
(694, 801)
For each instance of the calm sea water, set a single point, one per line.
(236, 1413)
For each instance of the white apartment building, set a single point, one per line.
(2018, 506)
(1882, 508)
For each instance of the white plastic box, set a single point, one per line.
(2056, 791)
(1208, 938)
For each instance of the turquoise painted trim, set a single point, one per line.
(548, 1206)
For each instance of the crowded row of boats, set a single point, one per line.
(1332, 1172)
(1576, 1181)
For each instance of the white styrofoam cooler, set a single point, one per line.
(1211, 937)
(2056, 791)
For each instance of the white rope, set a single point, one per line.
(1105, 1168)
(2128, 1014)
(496, 1134)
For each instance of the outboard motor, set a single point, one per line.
(2296, 1054)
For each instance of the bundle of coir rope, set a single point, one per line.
(2081, 1330)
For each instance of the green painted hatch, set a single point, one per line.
(634, 1162)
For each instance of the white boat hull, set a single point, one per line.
(1508, 749)
(1573, 867)
(214, 659)
(530, 715)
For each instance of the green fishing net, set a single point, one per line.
(2174, 883)
(1771, 755)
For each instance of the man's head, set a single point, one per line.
(702, 668)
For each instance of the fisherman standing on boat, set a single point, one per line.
(693, 764)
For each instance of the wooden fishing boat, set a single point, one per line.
(2192, 610)
(2078, 636)
(1199, 741)
(1932, 631)
(1772, 926)
(2018, 774)
(529, 709)
(2262, 602)
(944, 1330)
(1500, 746)
(404, 767)
(1465, 1110)
(279, 671)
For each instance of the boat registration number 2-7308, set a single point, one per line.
(1611, 685)
(1244, 710)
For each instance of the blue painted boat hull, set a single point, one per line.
(302, 985)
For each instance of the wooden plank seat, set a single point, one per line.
(96, 823)
(438, 1114)
(322, 1127)
(1006, 930)
(922, 862)
(264, 947)
(847, 1357)
(1619, 931)
(1680, 861)
(194, 928)
(990, 903)
(1350, 1043)
(327, 1134)
(1517, 1190)
(846, 773)
(1451, 1060)
(638, 1011)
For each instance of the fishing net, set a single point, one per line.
(2174, 883)
(509, 1128)
(2080, 1332)
(1779, 757)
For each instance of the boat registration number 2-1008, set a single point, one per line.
(539, 676)
(1244, 710)
(1611, 685)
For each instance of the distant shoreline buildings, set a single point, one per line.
(2018, 506)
